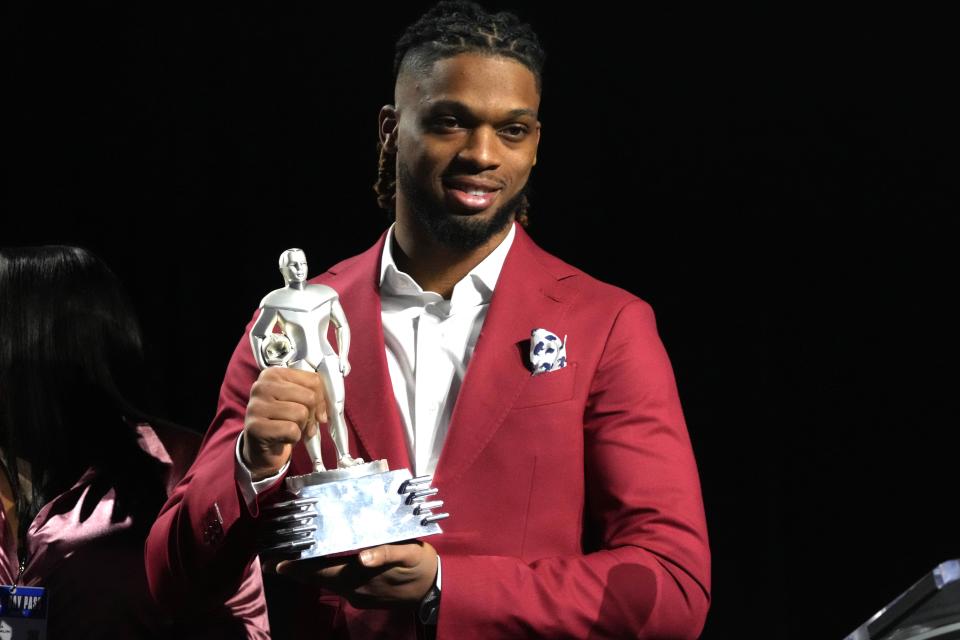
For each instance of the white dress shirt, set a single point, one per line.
(429, 342)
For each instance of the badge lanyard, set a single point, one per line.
(23, 610)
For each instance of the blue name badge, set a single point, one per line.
(23, 612)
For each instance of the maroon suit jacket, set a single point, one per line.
(574, 496)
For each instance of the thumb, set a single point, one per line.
(320, 406)
(404, 555)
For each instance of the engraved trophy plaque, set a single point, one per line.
(359, 504)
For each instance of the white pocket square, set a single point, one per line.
(547, 351)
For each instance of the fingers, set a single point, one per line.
(403, 555)
(311, 571)
(292, 385)
(297, 376)
(287, 395)
(280, 410)
(380, 576)
(284, 405)
(272, 423)
(270, 434)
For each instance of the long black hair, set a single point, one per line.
(70, 362)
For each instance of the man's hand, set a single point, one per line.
(344, 367)
(285, 404)
(381, 577)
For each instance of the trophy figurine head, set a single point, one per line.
(293, 266)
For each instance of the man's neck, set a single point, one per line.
(434, 266)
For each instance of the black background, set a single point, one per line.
(778, 184)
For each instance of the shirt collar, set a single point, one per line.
(473, 289)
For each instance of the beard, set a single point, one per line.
(460, 232)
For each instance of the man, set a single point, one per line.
(575, 502)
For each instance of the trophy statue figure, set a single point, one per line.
(358, 504)
(291, 331)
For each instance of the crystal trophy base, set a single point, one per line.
(344, 510)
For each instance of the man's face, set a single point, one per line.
(466, 140)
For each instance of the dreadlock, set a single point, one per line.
(450, 28)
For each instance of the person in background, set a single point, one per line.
(84, 470)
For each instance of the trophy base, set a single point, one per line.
(344, 510)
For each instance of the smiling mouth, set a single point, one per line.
(473, 201)
(469, 195)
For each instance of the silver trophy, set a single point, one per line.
(359, 504)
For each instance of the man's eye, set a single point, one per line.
(446, 122)
(515, 131)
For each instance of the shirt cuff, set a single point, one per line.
(249, 488)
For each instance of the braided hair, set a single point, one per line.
(450, 28)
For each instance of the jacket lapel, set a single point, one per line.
(370, 407)
(527, 295)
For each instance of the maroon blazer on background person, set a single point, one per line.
(574, 496)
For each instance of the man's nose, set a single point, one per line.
(482, 148)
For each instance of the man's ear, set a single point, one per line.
(388, 127)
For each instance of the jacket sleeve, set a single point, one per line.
(649, 575)
(200, 554)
